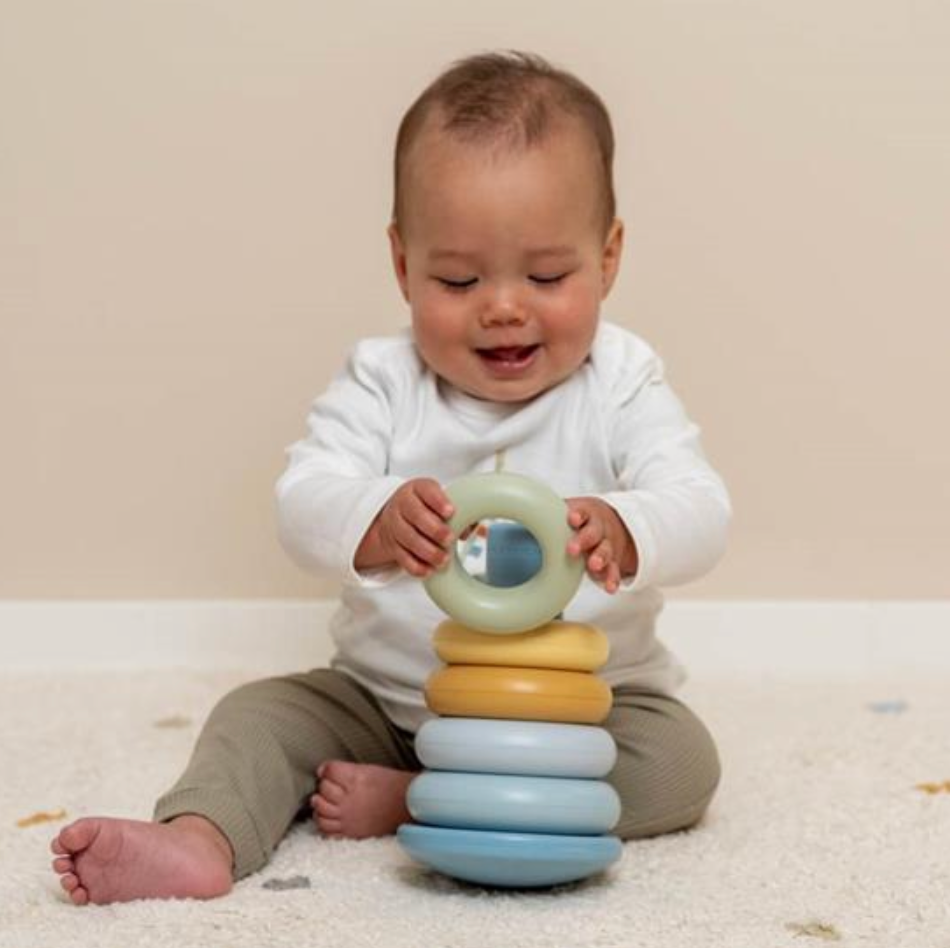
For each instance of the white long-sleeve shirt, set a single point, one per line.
(614, 430)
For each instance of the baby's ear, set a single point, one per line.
(399, 259)
(610, 258)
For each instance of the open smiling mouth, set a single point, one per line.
(508, 357)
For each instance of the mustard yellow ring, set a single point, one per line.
(526, 694)
(570, 646)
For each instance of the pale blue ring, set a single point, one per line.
(513, 803)
(532, 748)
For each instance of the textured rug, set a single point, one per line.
(832, 825)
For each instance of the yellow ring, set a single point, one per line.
(570, 646)
(526, 694)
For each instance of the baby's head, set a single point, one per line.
(504, 236)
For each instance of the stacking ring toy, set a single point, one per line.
(529, 694)
(534, 748)
(519, 608)
(520, 860)
(571, 646)
(511, 802)
(513, 791)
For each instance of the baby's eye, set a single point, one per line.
(457, 284)
(547, 280)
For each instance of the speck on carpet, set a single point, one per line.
(832, 825)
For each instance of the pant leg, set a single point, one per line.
(252, 769)
(667, 766)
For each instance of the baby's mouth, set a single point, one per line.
(508, 355)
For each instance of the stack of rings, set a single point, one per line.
(513, 792)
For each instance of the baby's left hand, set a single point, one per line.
(601, 537)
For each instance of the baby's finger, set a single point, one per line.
(430, 555)
(601, 557)
(413, 566)
(612, 583)
(586, 538)
(421, 517)
(430, 492)
(577, 516)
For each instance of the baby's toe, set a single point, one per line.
(330, 827)
(332, 791)
(69, 881)
(338, 771)
(79, 896)
(63, 864)
(77, 836)
(326, 808)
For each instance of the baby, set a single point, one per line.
(504, 242)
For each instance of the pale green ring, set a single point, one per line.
(508, 609)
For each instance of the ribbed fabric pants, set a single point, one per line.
(253, 768)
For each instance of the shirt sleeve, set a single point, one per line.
(337, 477)
(672, 502)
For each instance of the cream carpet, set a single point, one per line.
(832, 825)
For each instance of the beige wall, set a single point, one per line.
(192, 207)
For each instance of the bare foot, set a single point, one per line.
(105, 860)
(356, 801)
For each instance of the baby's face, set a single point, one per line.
(503, 260)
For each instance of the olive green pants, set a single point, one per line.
(253, 768)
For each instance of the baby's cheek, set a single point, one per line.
(572, 321)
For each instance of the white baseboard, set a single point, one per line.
(829, 638)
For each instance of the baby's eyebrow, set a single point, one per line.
(450, 255)
(559, 250)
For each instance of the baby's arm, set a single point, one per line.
(667, 519)
(337, 480)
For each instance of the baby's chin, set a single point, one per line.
(492, 391)
(508, 392)
(508, 397)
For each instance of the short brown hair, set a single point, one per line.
(511, 99)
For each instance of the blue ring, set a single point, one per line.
(512, 860)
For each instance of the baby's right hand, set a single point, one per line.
(411, 530)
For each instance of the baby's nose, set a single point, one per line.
(504, 310)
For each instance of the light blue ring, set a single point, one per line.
(513, 860)
(532, 748)
(512, 803)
